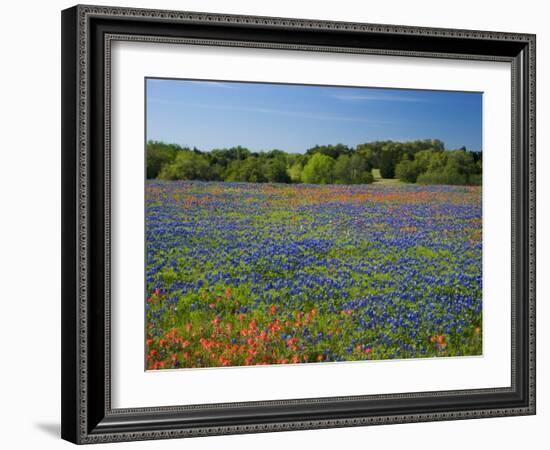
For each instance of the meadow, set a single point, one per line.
(248, 273)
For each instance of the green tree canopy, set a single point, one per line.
(407, 170)
(421, 161)
(187, 165)
(318, 170)
(275, 171)
(159, 155)
(352, 170)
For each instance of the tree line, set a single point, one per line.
(420, 161)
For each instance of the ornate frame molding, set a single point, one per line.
(77, 414)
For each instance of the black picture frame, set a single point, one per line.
(87, 416)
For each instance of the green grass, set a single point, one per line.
(386, 181)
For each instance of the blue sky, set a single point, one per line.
(259, 116)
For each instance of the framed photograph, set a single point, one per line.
(278, 224)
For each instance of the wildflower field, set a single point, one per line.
(246, 274)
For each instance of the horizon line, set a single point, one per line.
(352, 147)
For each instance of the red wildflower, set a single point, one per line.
(224, 361)
(172, 334)
(292, 341)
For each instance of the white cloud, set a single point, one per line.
(381, 98)
(282, 112)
